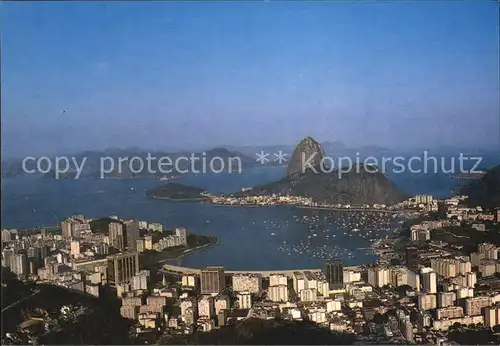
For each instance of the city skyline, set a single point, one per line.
(187, 75)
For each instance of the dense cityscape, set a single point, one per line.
(250, 173)
(415, 293)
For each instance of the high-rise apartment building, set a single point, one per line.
(6, 236)
(449, 312)
(429, 280)
(206, 307)
(411, 257)
(278, 293)
(75, 248)
(19, 264)
(122, 267)
(247, 283)
(181, 233)
(334, 273)
(35, 253)
(116, 236)
(140, 280)
(427, 301)
(245, 300)
(132, 234)
(67, 228)
(492, 316)
(276, 279)
(148, 242)
(451, 267)
(222, 302)
(379, 276)
(474, 306)
(7, 254)
(446, 299)
(212, 280)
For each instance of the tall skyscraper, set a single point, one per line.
(19, 264)
(182, 234)
(7, 254)
(35, 253)
(212, 280)
(132, 234)
(6, 236)
(334, 273)
(67, 228)
(45, 251)
(122, 267)
(429, 281)
(116, 236)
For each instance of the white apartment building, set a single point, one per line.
(245, 300)
(278, 293)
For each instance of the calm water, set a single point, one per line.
(250, 237)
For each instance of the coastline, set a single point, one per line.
(190, 251)
(197, 199)
(208, 200)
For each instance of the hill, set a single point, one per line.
(172, 163)
(361, 184)
(484, 191)
(268, 332)
(101, 324)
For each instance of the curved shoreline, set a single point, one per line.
(188, 252)
(198, 248)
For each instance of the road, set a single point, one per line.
(20, 300)
(264, 273)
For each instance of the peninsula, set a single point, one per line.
(361, 184)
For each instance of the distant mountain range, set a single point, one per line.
(177, 163)
(331, 148)
(247, 155)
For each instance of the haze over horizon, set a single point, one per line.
(159, 75)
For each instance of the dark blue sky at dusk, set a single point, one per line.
(199, 75)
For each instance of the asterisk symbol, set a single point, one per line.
(280, 157)
(262, 157)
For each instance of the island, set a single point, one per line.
(178, 192)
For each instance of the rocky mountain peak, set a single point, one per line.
(308, 150)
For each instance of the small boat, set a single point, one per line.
(273, 234)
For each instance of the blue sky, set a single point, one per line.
(157, 74)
